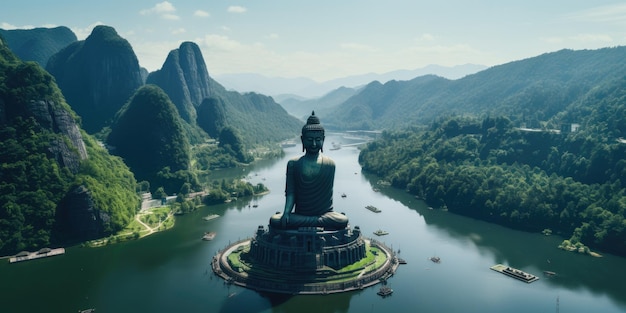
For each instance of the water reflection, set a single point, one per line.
(533, 251)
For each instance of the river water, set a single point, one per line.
(170, 271)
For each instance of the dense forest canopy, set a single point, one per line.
(149, 135)
(529, 91)
(39, 146)
(532, 179)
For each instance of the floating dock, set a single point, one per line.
(209, 236)
(515, 273)
(210, 217)
(42, 253)
(372, 208)
(381, 232)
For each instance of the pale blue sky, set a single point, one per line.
(326, 39)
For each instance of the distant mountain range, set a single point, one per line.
(38, 44)
(530, 91)
(282, 88)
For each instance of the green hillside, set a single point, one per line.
(569, 182)
(149, 135)
(528, 91)
(44, 157)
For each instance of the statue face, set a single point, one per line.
(312, 141)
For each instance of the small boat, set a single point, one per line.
(209, 236)
(435, 259)
(87, 311)
(380, 232)
(515, 273)
(385, 291)
(372, 208)
(343, 195)
(549, 273)
(210, 217)
(401, 261)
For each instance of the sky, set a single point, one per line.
(328, 39)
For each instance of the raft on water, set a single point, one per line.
(210, 217)
(372, 208)
(515, 273)
(42, 253)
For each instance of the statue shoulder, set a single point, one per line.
(327, 161)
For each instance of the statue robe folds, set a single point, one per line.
(313, 198)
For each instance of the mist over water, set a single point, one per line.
(170, 271)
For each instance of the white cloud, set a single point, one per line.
(219, 43)
(426, 37)
(236, 9)
(580, 38)
(164, 9)
(592, 38)
(200, 13)
(357, 47)
(272, 36)
(168, 16)
(82, 33)
(152, 54)
(553, 40)
(603, 14)
(8, 26)
(225, 28)
(178, 31)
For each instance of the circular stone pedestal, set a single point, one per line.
(305, 261)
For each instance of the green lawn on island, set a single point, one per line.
(374, 259)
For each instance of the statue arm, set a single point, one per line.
(290, 199)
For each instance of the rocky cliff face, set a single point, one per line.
(97, 76)
(38, 44)
(81, 219)
(56, 185)
(185, 79)
(212, 116)
(53, 117)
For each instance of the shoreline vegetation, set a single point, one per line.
(150, 221)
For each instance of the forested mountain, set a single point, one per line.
(57, 185)
(323, 105)
(528, 91)
(202, 101)
(38, 44)
(97, 76)
(184, 77)
(148, 134)
(571, 182)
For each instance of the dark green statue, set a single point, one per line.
(309, 185)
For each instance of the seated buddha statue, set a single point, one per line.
(309, 185)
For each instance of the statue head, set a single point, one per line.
(312, 135)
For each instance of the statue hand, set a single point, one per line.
(284, 220)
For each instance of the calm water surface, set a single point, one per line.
(170, 271)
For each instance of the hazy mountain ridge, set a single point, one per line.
(185, 78)
(302, 108)
(38, 44)
(309, 88)
(97, 76)
(529, 91)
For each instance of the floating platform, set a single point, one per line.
(210, 217)
(209, 236)
(515, 273)
(373, 208)
(381, 232)
(385, 291)
(42, 253)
